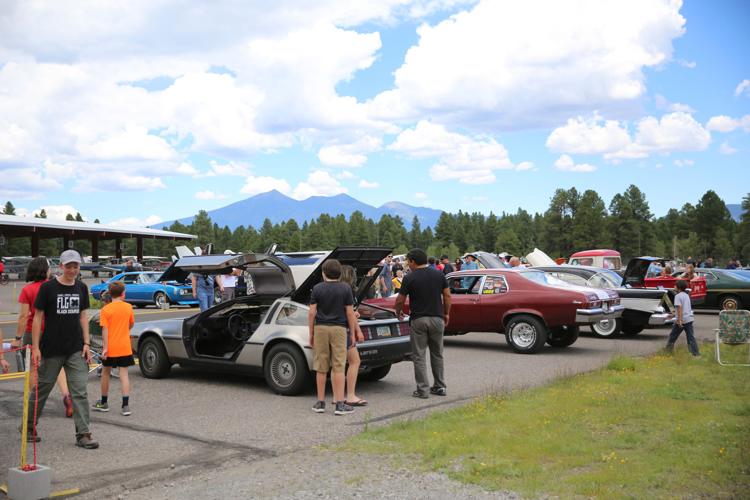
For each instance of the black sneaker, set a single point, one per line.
(419, 394)
(343, 409)
(319, 407)
(438, 391)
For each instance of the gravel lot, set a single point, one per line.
(202, 435)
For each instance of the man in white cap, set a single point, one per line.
(60, 340)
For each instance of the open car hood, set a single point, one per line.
(539, 258)
(635, 273)
(271, 276)
(362, 259)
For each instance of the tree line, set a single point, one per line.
(573, 221)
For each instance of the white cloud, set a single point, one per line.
(345, 175)
(529, 63)
(566, 164)
(686, 64)
(54, 212)
(582, 136)
(526, 165)
(742, 88)
(723, 123)
(186, 168)
(420, 196)
(368, 185)
(470, 160)
(256, 185)
(726, 148)
(27, 179)
(684, 163)
(673, 132)
(231, 169)
(663, 103)
(115, 180)
(349, 155)
(318, 183)
(209, 195)
(136, 222)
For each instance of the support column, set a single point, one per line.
(118, 247)
(95, 249)
(139, 248)
(66, 242)
(35, 245)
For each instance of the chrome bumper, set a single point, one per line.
(660, 319)
(588, 316)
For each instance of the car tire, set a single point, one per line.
(526, 334)
(140, 306)
(160, 300)
(153, 359)
(607, 328)
(563, 336)
(286, 370)
(376, 373)
(631, 330)
(730, 303)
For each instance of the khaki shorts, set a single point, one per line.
(329, 351)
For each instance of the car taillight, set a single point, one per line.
(592, 301)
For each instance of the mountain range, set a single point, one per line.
(278, 207)
(736, 211)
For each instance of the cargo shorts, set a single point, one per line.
(329, 351)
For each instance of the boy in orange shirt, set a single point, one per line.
(116, 320)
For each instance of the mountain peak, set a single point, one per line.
(278, 207)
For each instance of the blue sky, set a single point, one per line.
(453, 104)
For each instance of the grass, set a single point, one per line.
(658, 427)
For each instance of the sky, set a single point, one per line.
(150, 110)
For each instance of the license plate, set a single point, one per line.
(384, 331)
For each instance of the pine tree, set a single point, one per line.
(9, 209)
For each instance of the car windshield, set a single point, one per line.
(542, 278)
(605, 279)
(740, 275)
(149, 277)
(491, 261)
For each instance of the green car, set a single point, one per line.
(727, 288)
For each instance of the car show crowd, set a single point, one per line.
(54, 324)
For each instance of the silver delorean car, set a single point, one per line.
(266, 333)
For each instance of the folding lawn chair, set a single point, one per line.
(734, 329)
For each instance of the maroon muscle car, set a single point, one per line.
(531, 309)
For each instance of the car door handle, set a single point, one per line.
(474, 301)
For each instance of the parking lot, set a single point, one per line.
(198, 424)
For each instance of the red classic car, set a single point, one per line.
(529, 307)
(637, 272)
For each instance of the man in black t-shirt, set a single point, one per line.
(429, 306)
(60, 340)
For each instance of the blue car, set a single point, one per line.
(143, 288)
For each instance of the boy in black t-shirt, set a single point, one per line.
(331, 310)
(429, 308)
(63, 344)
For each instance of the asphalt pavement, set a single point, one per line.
(197, 424)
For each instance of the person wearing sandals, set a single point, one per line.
(37, 273)
(331, 310)
(429, 307)
(116, 320)
(349, 276)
